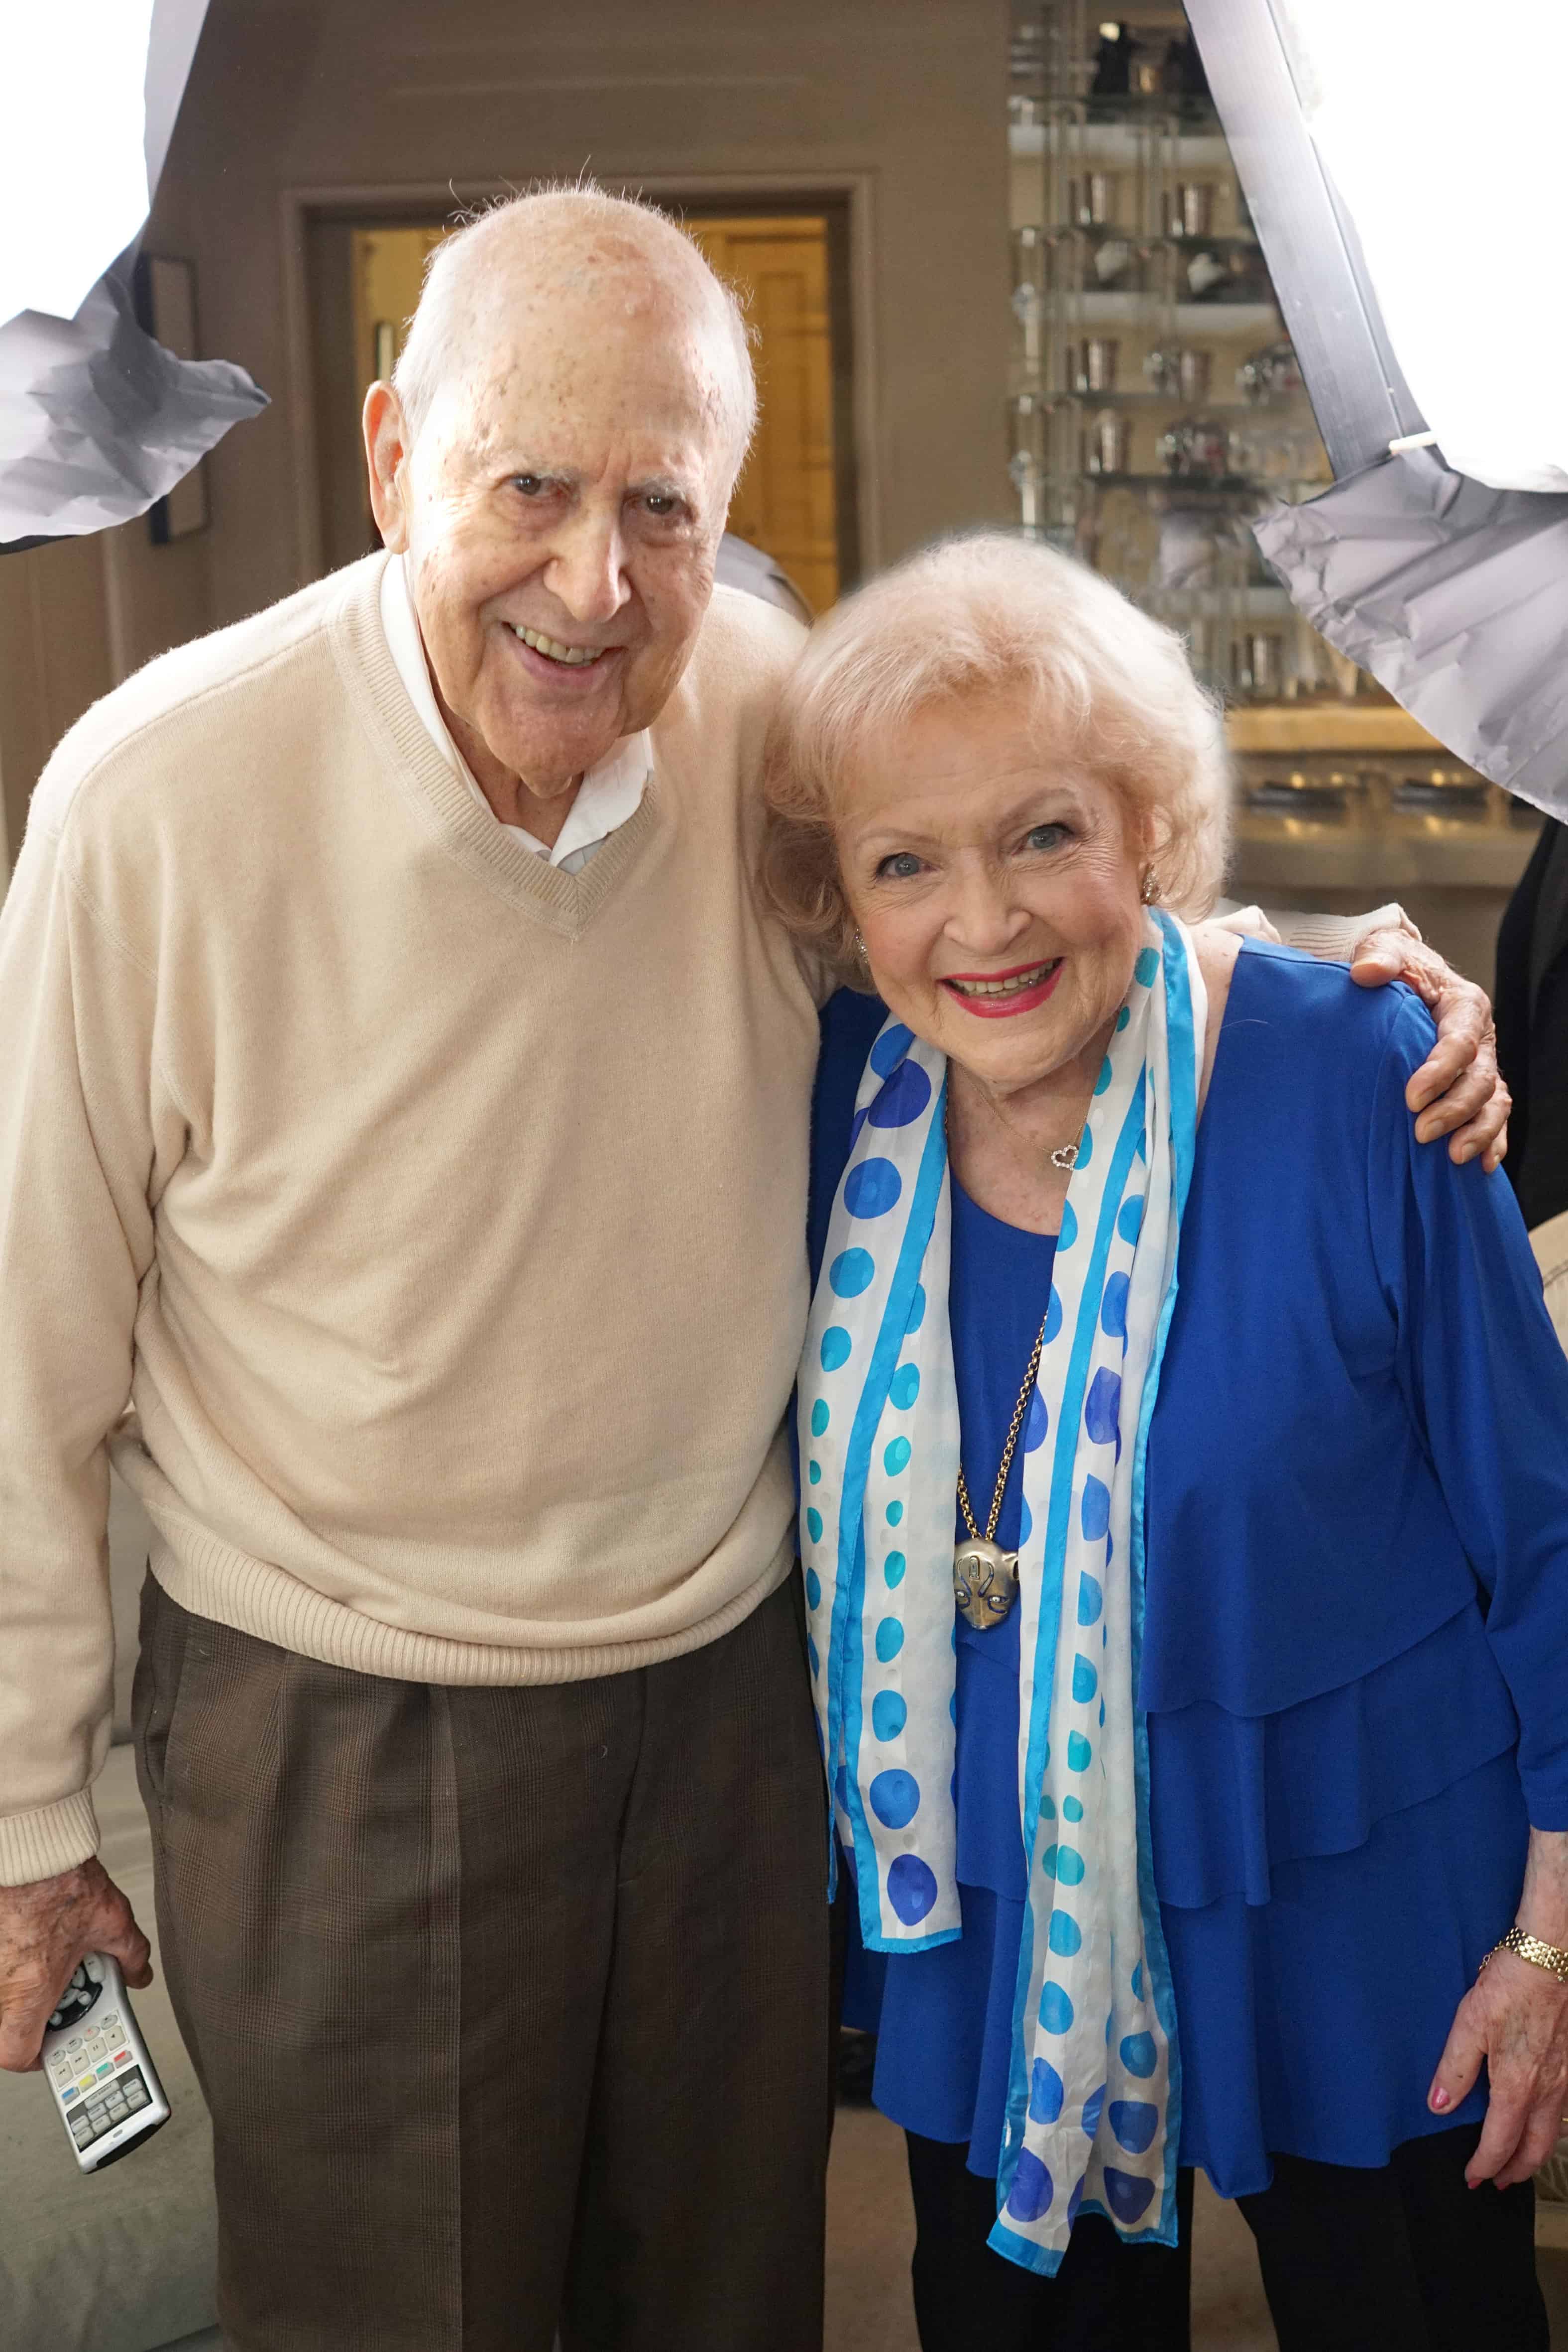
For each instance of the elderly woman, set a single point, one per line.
(1185, 1520)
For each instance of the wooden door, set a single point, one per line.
(786, 500)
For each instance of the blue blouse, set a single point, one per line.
(1355, 1651)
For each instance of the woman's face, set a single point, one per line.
(995, 888)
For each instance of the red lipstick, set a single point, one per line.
(998, 1008)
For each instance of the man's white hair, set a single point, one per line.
(621, 233)
(973, 620)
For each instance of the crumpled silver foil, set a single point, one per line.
(97, 420)
(1455, 596)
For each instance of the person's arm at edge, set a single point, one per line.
(75, 1240)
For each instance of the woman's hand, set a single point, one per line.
(1515, 2016)
(1456, 1091)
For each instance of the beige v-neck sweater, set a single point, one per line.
(438, 1214)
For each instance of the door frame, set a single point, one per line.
(301, 207)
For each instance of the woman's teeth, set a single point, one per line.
(1014, 985)
(574, 656)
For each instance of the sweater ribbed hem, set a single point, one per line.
(50, 1839)
(212, 1580)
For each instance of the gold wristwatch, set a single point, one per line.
(1530, 1947)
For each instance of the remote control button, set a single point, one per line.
(105, 2069)
(65, 2096)
(119, 2113)
(122, 2057)
(96, 2046)
(108, 2023)
(76, 2041)
(136, 2097)
(87, 2082)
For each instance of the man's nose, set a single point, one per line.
(585, 574)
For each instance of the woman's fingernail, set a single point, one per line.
(1440, 2098)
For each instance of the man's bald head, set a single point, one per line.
(554, 460)
(571, 253)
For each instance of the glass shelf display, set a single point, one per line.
(1155, 407)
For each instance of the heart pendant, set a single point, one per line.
(985, 1581)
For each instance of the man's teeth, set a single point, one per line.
(1013, 987)
(574, 656)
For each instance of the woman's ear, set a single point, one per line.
(1145, 837)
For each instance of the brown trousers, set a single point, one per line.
(509, 2005)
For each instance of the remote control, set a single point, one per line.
(96, 2063)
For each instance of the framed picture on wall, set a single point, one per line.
(167, 302)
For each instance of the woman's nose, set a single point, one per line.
(985, 920)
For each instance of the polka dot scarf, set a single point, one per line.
(1093, 2097)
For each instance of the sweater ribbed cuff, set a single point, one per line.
(1334, 939)
(50, 1839)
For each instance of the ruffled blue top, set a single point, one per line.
(1356, 1646)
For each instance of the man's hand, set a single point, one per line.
(47, 1929)
(1456, 1091)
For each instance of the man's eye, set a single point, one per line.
(531, 485)
(1045, 836)
(660, 503)
(902, 866)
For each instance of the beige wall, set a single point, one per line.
(901, 100)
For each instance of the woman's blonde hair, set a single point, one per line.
(987, 615)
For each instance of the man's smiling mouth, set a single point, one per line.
(569, 656)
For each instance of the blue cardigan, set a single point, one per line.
(1355, 1652)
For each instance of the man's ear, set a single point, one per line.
(386, 450)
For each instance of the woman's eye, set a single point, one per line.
(530, 485)
(1045, 836)
(901, 867)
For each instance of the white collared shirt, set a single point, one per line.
(610, 792)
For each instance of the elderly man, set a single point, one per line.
(406, 1109)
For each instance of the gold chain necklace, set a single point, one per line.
(984, 1577)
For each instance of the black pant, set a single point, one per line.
(1402, 2259)
(1106, 2297)
(1405, 2259)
